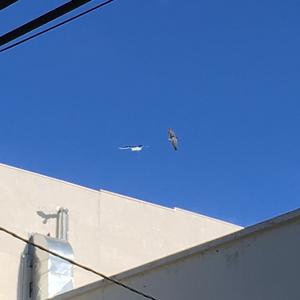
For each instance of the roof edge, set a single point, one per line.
(248, 231)
(48, 177)
(174, 209)
(188, 212)
(113, 193)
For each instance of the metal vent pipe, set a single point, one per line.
(62, 223)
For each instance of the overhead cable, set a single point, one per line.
(5, 3)
(56, 25)
(115, 281)
(41, 20)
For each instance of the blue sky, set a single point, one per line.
(223, 74)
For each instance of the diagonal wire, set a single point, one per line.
(57, 25)
(117, 282)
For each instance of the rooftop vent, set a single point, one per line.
(50, 275)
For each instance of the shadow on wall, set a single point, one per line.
(45, 216)
(24, 275)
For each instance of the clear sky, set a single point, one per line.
(223, 74)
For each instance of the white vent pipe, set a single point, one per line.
(62, 223)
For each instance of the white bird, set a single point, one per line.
(172, 138)
(135, 148)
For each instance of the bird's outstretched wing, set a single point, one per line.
(125, 147)
(171, 133)
(132, 147)
(172, 138)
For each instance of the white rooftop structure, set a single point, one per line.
(260, 262)
(109, 232)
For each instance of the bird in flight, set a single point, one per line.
(135, 148)
(172, 138)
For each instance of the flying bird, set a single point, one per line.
(135, 148)
(172, 138)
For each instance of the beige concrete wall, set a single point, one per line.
(108, 232)
(259, 263)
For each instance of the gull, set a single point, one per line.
(135, 148)
(172, 138)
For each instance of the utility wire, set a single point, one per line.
(41, 20)
(76, 264)
(57, 25)
(5, 3)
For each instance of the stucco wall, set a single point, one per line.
(108, 232)
(255, 264)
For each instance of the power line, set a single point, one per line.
(57, 25)
(76, 264)
(41, 20)
(5, 3)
